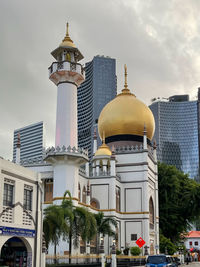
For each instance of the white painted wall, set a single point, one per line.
(66, 115)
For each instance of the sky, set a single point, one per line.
(158, 40)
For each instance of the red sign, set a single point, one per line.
(140, 242)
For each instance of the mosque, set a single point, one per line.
(121, 179)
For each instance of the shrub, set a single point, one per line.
(135, 251)
(118, 252)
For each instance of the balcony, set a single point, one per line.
(66, 65)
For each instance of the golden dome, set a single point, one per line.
(103, 150)
(126, 115)
(67, 41)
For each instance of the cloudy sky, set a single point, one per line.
(158, 40)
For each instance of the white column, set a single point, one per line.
(66, 116)
(93, 168)
(145, 141)
(112, 193)
(97, 167)
(122, 229)
(105, 163)
(95, 142)
(112, 167)
(87, 169)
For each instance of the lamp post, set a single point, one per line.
(113, 251)
(146, 251)
(101, 251)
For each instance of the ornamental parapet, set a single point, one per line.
(32, 161)
(63, 150)
(62, 154)
(129, 149)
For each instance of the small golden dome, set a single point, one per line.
(103, 150)
(67, 41)
(126, 115)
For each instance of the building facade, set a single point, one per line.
(121, 177)
(177, 134)
(20, 216)
(32, 141)
(192, 240)
(94, 93)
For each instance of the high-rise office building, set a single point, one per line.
(176, 133)
(32, 141)
(95, 92)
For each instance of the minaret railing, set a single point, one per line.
(66, 65)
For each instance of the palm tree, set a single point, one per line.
(54, 226)
(104, 226)
(81, 222)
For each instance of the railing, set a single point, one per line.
(95, 260)
(101, 173)
(66, 65)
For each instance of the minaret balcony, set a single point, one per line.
(66, 65)
(66, 71)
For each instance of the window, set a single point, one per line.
(196, 243)
(8, 195)
(133, 237)
(151, 213)
(48, 190)
(118, 199)
(190, 243)
(27, 199)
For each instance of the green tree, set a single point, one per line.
(54, 226)
(166, 244)
(104, 226)
(179, 198)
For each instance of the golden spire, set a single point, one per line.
(67, 32)
(125, 90)
(103, 139)
(67, 41)
(125, 77)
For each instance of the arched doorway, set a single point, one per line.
(14, 253)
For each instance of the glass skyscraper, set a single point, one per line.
(94, 93)
(32, 141)
(176, 133)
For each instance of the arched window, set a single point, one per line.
(151, 212)
(117, 199)
(84, 195)
(79, 192)
(95, 203)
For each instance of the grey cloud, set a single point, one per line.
(158, 40)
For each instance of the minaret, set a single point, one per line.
(67, 74)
